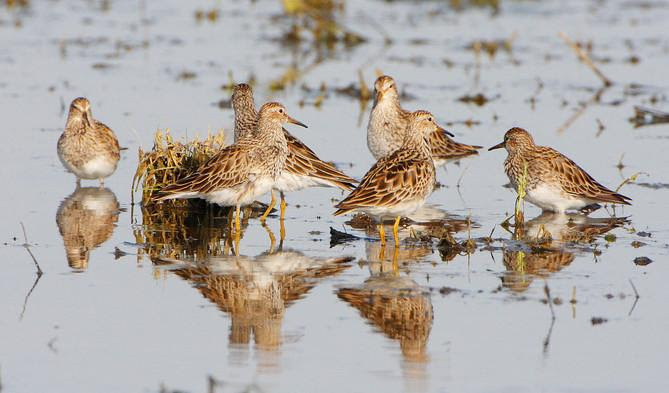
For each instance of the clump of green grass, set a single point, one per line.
(519, 209)
(178, 228)
(170, 160)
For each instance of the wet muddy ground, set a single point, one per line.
(142, 300)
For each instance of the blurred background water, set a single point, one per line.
(109, 315)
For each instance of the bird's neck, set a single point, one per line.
(271, 133)
(246, 119)
(387, 112)
(75, 124)
(414, 139)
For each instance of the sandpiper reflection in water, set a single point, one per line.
(400, 309)
(560, 237)
(86, 219)
(255, 292)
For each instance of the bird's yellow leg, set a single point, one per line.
(283, 206)
(396, 268)
(382, 234)
(237, 214)
(271, 205)
(282, 232)
(272, 239)
(396, 234)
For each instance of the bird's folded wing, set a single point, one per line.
(578, 182)
(389, 183)
(444, 147)
(228, 168)
(303, 161)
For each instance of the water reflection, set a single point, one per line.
(572, 227)
(255, 292)
(556, 239)
(430, 221)
(86, 219)
(193, 230)
(398, 307)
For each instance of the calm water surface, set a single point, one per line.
(109, 315)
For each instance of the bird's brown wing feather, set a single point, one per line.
(303, 161)
(446, 148)
(228, 168)
(388, 183)
(109, 136)
(578, 182)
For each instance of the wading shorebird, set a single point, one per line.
(398, 184)
(241, 172)
(388, 124)
(87, 148)
(303, 168)
(554, 182)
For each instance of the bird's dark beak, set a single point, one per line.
(291, 120)
(87, 119)
(497, 146)
(447, 132)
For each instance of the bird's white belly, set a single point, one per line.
(243, 195)
(97, 168)
(288, 182)
(403, 209)
(551, 198)
(292, 182)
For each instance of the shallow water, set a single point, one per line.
(316, 317)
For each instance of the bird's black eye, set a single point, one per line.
(280, 110)
(391, 86)
(429, 119)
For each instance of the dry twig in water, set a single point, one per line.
(39, 272)
(636, 297)
(586, 59)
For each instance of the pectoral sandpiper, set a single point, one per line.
(243, 171)
(388, 124)
(303, 167)
(398, 184)
(553, 181)
(87, 148)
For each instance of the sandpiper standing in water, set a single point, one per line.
(399, 183)
(554, 182)
(243, 171)
(87, 148)
(303, 168)
(388, 124)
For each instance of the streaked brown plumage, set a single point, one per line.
(388, 123)
(241, 172)
(398, 184)
(554, 182)
(303, 168)
(87, 148)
